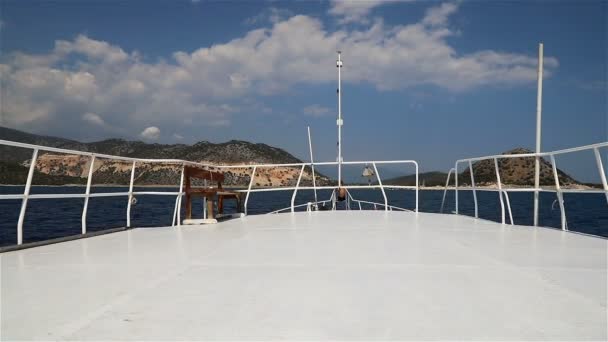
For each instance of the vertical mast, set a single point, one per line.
(339, 121)
(539, 103)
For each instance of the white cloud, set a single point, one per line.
(269, 15)
(178, 136)
(93, 119)
(350, 11)
(150, 133)
(316, 110)
(210, 85)
(94, 49)
(436, 16)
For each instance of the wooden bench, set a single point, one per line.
(210, 193)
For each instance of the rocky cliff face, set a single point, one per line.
(515, 171)
(107, 171)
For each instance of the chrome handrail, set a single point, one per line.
(504, 191)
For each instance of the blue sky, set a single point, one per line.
(431, 81)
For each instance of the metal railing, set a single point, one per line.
(503, 192)
(130, 194)
(302, 166)
(314, 205)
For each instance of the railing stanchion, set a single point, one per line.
(26, 193)
(87, 193)
(600, 168)
(130, 195)
(539, 102)
(560, 196)
(205, 201)
(445, 190)
(333, 200)
(173, 223)
(474, 190)
(382, 186)
(312, 166)
(249, 188)
(177, 212)
(498, 183)
(416, 164)
(295, 191)
(456, 186)
(506, 193)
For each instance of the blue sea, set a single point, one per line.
(52, 218)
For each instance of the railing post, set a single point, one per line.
(249, 188)
(539, 102)
(600, 168)
(295, 191)
(177, 212)
(173, 222)
(26, 193)
(205, 201)
(348, 200)
(416, 164)
(456, 186)
(474, 190)
(352, 199)
(382, 186)
(506, 194)
(560, 196)
(333, 200)
(312, 166)
(87, 193)
(445, 190)
(130, 195)
(499, 184)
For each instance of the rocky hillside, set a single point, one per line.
(74, 168)
(230, 152)
(433, 178)
(513, 171)
(11, 173)
(516, 171)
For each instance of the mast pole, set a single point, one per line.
(539, 104)
(339, 122)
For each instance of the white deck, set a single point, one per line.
(325, 275)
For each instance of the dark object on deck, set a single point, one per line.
(210, 193)
(341, 194)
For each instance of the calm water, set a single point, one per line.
(52, 218)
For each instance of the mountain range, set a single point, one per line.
(57, 168)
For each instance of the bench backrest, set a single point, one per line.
(193, 172)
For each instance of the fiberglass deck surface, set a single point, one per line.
(325, 275)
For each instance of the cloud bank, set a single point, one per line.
(150, 133)
(97, 82)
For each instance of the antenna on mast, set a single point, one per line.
(339, 122)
